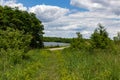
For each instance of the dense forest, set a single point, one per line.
(23, 56)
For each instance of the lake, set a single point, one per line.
(49, 44)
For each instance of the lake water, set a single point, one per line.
(55, 44)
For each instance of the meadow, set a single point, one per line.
(67, 64)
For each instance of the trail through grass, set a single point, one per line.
(64, 64)
(51, 67)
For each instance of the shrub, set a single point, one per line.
(100, 38)
(79, 42)
(117, 38)
(13, 43)
(14, 39)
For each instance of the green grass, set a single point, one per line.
(63, 65)
(99, 65)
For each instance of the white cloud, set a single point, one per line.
(48, 13)
(13, 4)
(84, 22)
(98, 5)
(60, 33)
(1, 2)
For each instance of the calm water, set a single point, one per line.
(55, 44)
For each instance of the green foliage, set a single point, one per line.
(79, 42)
(100, 38)
(81, 65)
(117, 38)
(23, 21)
(25, 69)
(57, 39)
(13, 44)
(117, 42)
(14, 39)
(69, 64)
(19, 29)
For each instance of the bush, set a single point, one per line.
(13, 44)
(100, 38)
(14, 39)
(79, 42)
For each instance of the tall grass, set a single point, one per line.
(25, 69)
(68, 64)
(98, 65)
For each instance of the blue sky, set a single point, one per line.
(63, 18)
(60, 3)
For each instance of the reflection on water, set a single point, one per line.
(55, 44)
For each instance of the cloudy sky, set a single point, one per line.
(63, 18)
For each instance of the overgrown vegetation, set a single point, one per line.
(20, 31)
(22, 21)
(98, 40)
(84, 65)
(14, 39)
(69, 64)
(80, 43)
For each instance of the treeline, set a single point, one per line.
(98, 40)
(57, 39)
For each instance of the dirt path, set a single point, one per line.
(61, 48)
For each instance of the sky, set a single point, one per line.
(63, 18)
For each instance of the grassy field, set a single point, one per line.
(64, 64)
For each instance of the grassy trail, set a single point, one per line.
(65, 65)
(52, 66)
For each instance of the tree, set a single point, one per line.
(100, 38)
(23, 21)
